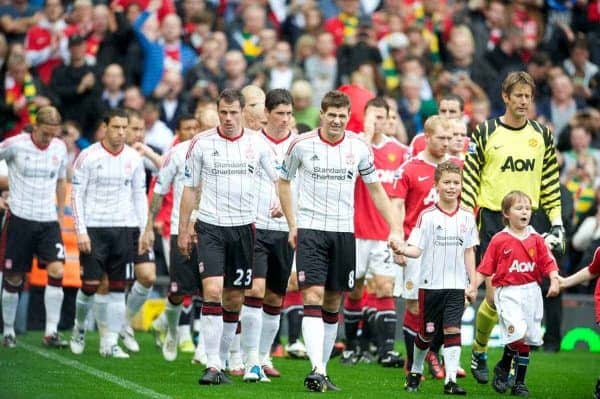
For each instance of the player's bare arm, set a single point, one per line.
(147, 240)
(471, 291)
(189, 198)
(61, 198)
(147, 152)
(554, 288)
(287, 206)
(389, 213)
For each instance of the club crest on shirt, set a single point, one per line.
(201, 267)
(174, 286)
(462, 228)
(128, 167)
(301, 276)
(531, 252)
(409, 285)
(8, 264)
(55, 160)
(249, 153)
(350, 159)
(430, 327)
(511, 329)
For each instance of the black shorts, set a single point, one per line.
(440, 308)
(22, 239)
(326, 258)
(226, 251)
(112, 253)
(183, 271)
(490, 223)
(273, 257)
(146, 257)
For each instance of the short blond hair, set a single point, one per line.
(435, 121)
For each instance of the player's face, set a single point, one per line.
(44, 133)
(449, 109)
(449, 186)
(459, 135)
(230, 118)
(135, 130)
(116, 133)
(519, 214)
(334, 121)
(187, 129)
(279, 119)
(377, 117)
(438, 142)
(518, 101)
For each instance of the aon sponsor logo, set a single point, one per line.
(521, 267)
(518, 165)
(386, 176)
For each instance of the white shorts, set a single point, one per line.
(520, 311)
(374, 258)
(407, 278)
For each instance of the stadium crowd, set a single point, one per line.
(165, 60)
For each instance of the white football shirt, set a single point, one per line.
(226, 169)
(327, 175)
(109, 189)
(443, 237)
(172, 173)
(267, 195)
(32, 176)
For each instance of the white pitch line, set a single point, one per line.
(103, 375)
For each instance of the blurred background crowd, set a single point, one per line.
(170, 57)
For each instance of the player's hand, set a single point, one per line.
(561, 283)
(471, 295)
(146, 241)
(4, 203)
(84, 244)
(554, 289)
(293, 237)
(184, 243)
(275, 210)
(400, 260)
(560, 244)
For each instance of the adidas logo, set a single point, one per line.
(315, 158)
(215, 154)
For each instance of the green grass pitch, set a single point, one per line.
(33, 372)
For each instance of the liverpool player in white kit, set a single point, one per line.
(109, 198)
(372, 254)
(445, 237)
(327, 161)
(273, 255)
(222, 162)
(36, 173)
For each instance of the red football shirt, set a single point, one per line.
(368, 222)
(359, 97)
(516, 261)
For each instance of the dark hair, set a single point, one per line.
(515, 78)
(540, 58)
(133, 113)
(277, 97)
(302, 128)
(446, 167)
(378, 102)
(335, 99)
(454, 97)
(230, 96)
(114, 113)
(183, 118)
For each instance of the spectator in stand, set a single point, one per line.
(162, 49)
(394, 50)
(506, 56)
(321, 68)
(158, 135)
(201, 80)
(246, 39)
(581, 139)
(267, 39)
(579, 67)
(487, 29)
(562, 105)
(303, 17)
(538, 67)
(461, 48)
(133, 98)
(3, 51)
(411, 108)
(304, 48)
(344, 26)
(587, 237)
(582, 181)
(201, 25)
(278, 70)
(80, 18)
(304, 110)
(77, 89)
(357, 51)
(109, 38)
(415, 66)
(46, 43)
(234, 68)
(16, 18)
(21, 95)
(172, 101)
(360, 91)
(112, 85)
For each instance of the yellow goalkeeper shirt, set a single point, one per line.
(502, 159)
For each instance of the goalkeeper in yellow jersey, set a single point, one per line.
(506, 154)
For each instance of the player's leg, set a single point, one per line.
(430, 310)
(311, 262)
(489, 224)
(17, 246)
(211, 261)
(100, 308)
(293, 310)
(384, 273)
(453, 310)
(280, 262)
(185, 342)
(411, 323)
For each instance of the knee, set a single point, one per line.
(272, 299)
(384, 288)
(312, 296)
(331, 301)
(91, 287)
(103, 287)
(412, 306)
(13, 282)
(258, 289)
(55, 270)
(146, 275)
(357, 293)
(212, 292)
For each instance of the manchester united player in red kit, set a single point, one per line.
(372, 254)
